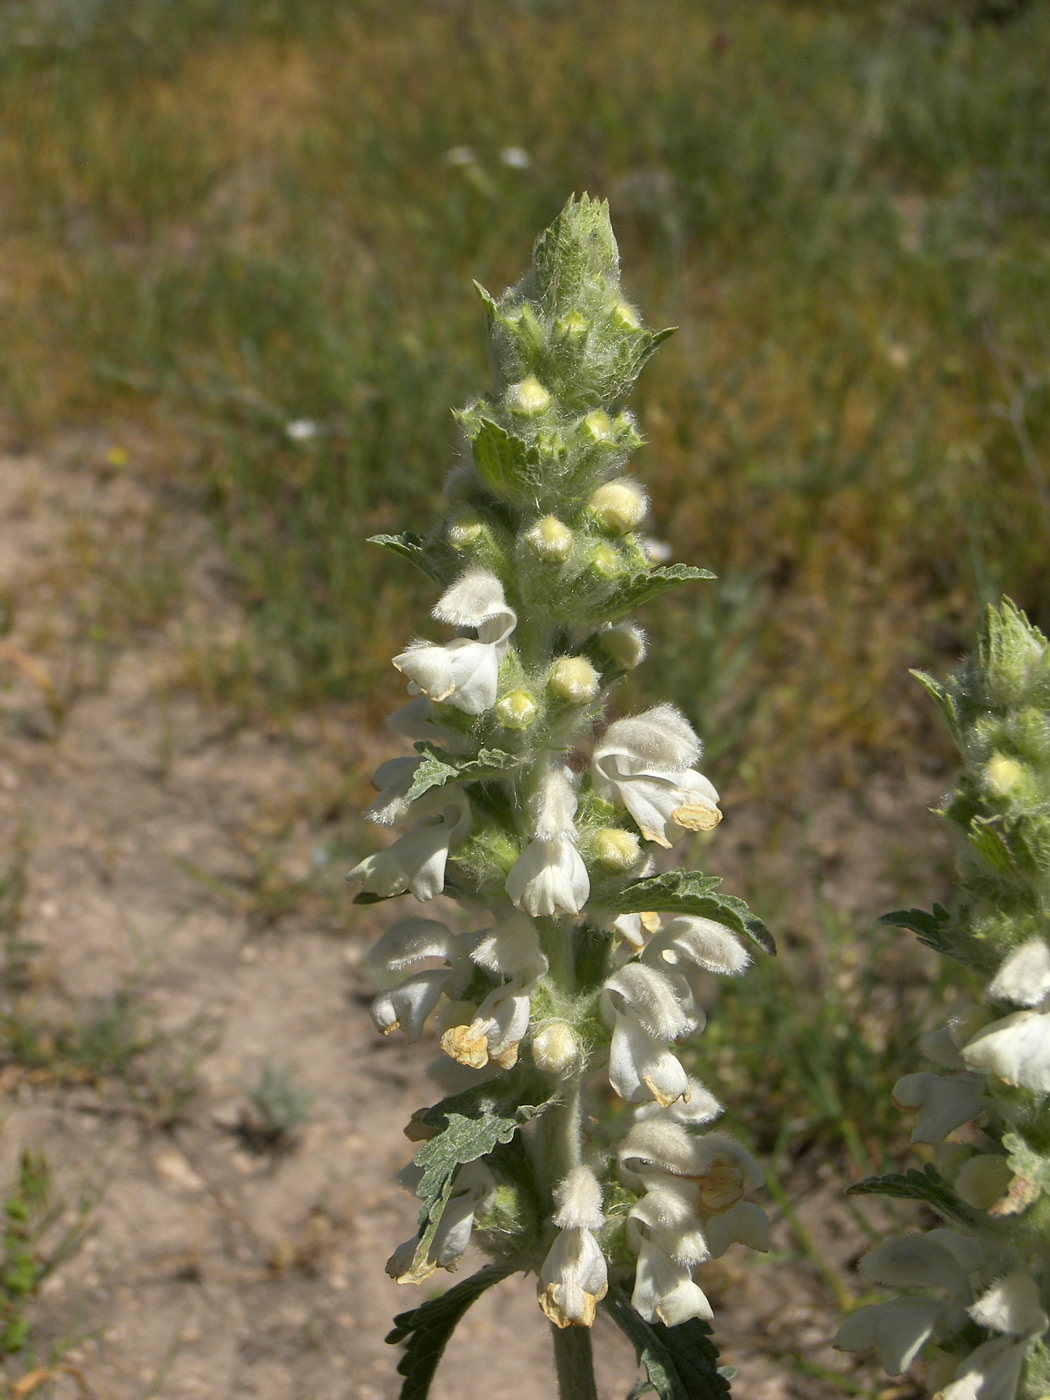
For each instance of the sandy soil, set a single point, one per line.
(191, 855)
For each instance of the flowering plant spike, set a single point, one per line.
(574, 969)
(976, 1290)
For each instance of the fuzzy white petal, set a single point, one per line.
(1024, 977)
(1016, 1049)
(548, 877)
(897, 1331)
(944, 1103)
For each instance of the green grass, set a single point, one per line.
(226, 218)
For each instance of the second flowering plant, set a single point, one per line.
(576, 969)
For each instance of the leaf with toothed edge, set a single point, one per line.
(643, 588)
(692, 892)
(435, 560)
(927, 1185)
(438, 768)
(681, 1362)
(427, 1329)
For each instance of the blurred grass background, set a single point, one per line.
(222, 217)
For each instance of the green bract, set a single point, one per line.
(583, 964)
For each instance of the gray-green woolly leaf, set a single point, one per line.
(429, 1327)
(435, 560)
(505, 461)
(932, 929)
(681, 1362)
(989, 844)
(912, 1185)
(487, 301)
(643, 588)
(438, 768)
(578, 247)
(692, 892)
(470, 1124)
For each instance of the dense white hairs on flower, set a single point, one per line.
(471, 600)
(513, 947)
(1011, 1305)
(699, 1107)
(662, 737)
(693, 942)
(579, 1200)
(649, 997)
(410, 941)
(669, 1215)
(548, 877)
(554, 805)
(656, 1144)
(1024, 977)
(1017, 1049)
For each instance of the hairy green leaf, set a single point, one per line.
(435, 560)
(692, 892)
(927, 1185)
(681, 1362)
(647, 586)
(929, 927)
(505, 461)
(470, 1124)
(429, 1327)
(438, 768)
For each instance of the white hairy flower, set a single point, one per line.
(1016, 1049)
(574, 1275)
(550, 875)
(393, 779)
(407, 1006)
(944, 1102)
(1024, 977)
(692, 945)
(465, 672)
(644, 763)
(647, 1008)
(417, 860)
(497, 1027)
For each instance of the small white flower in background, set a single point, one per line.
(645, 763)
(575, 1277)
(516, 157)
(301, 429)
(460, 155)
(464, 673)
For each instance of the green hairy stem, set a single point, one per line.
(574, 965)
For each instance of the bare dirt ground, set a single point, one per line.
(187, 857)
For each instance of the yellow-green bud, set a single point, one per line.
(598, 425)
(627, 316)
(528, 397)
(1002, 774)
(619, 505)
(574, 679)
(573, 327)
(606, 561)
(983, 1180)
(464, 530)
(554, 1048)
(617, 849)
(625, 645)
(516, 710)
(550, 539)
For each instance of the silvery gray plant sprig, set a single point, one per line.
(975, 1292)
(577, 967)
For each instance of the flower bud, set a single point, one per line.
(554, 1048)
(619, 505)
(598, 425)
(606, 561)
(983, 1180)
(550, 539)
(572, 328)
(1002, 774)
(573, 678)
(626, 315)
(625, 645)
(516, 710)
(617, 849)
(464, 530)
(528, 397)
